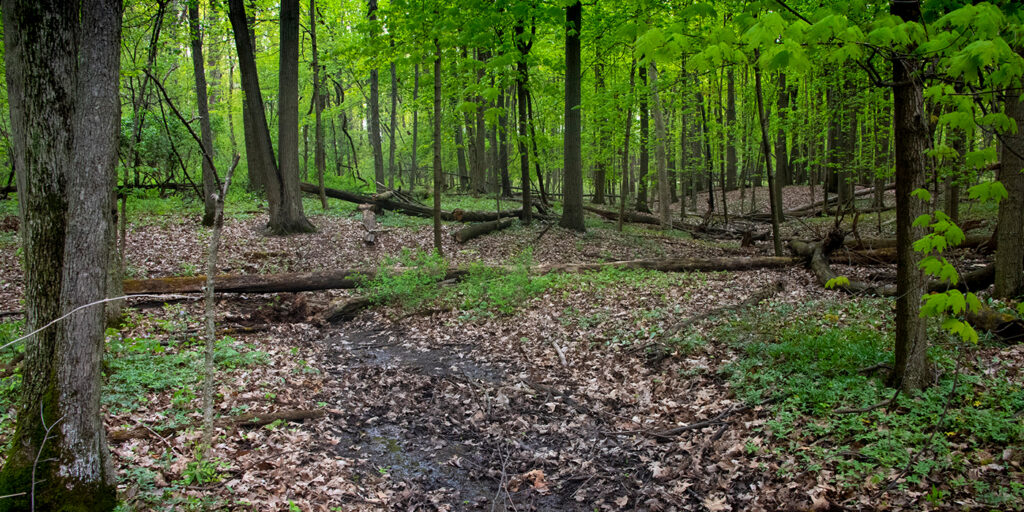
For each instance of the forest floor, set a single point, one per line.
(513, 391)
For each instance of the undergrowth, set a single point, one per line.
(807, 362)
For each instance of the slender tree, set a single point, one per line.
(374, 121)
(209, 175)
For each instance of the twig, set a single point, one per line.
(160, 437)
(561, 354)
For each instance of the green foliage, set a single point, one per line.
(409, 280)
(808, 364)
(202, 470)
(838, 281)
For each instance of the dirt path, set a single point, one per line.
(451, 425)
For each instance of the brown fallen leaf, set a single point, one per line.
(536, 477)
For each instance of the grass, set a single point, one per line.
(806, 362)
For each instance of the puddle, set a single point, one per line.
(382, 350)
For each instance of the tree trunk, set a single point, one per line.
(394, 115)
(522, 84)
(624, 179)
(374, 107)
(209, 175)
(1010, 228)
(282, 188)
(772, 183)
(536, 154)
(911, 370)
(478, 178)
(291, 218)
(414, 170)
(730, 119)
(506, 182)
(664, 196)
(572, 205)
(319, 154)
(438, 177)
(62, 70)
(599, 163)
(644, 143)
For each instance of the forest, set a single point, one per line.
(544, 255)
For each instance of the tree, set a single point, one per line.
(63, 64)
(523, 44)
(438, 177)
(319, 103)
(911, 140)
(374, 121)
(664, 197)
(1010, 228)
(572, 206)
(282, 185)
(209, 175)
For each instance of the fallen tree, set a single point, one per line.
(698, 231)
(386, 202)
(348, 279)
(481, 228)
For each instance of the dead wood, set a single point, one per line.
(1006, 327)
(385, 202)
(369, 222)
(243, 421)
(479, 229)
(345, 310)
(984, 243)
(348, 279)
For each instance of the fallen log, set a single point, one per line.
(984, 243)
(479, 229)
(698, 231)
(243, 421)
(345, 310)
(348, 279)
(385, 202)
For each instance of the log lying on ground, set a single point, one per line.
(984, 243)
(385, 202)
(243, 421)
(348, 279)
(818, 262)
(810, 210)
(345, 310)
(481, 228)
(696, 230)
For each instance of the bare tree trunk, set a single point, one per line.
(62, 71)
(291, 218)
(209, 175)
(911, 369)
(319, 154)
(522, 92)
(1010, 228)
(644, 142)
(772, 182)
(414, 171)
(374, 107)
(664, 196)
(438, 177)
(572, 205)
(394, 115)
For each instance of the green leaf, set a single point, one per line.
(838, 281)
(923, 221)
(974, 305)
(990, 191)
(922, 194)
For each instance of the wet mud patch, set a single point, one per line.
(433, 428)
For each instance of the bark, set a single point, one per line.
(730, 119)
(282, 189)
(62, 71)
(1010, 228)
(438, 177)
(506, 182)
(572, 206)
(911, 370)
(291, 218)
(773, 184)
(394, 115)
(664, 196)
(599, 163)
(644, 143)
(319, 154)
(414, 167)
(374, 108)
(781, 158)
(353, 278)
(411, 209)
(522, 92)
(209, 175)
(624, 178)
(478, 176)
(460, 153)
(475, 230)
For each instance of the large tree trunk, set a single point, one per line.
(62, 69)
(374, 107)
(664, 196)
(209, 175)
(911, 370)
(506, 182)
(1010, 230)
(414, 169)
(282, 188)
(572, 206)
(291, 218)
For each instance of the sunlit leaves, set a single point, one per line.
(838, 281)
(988, 192)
